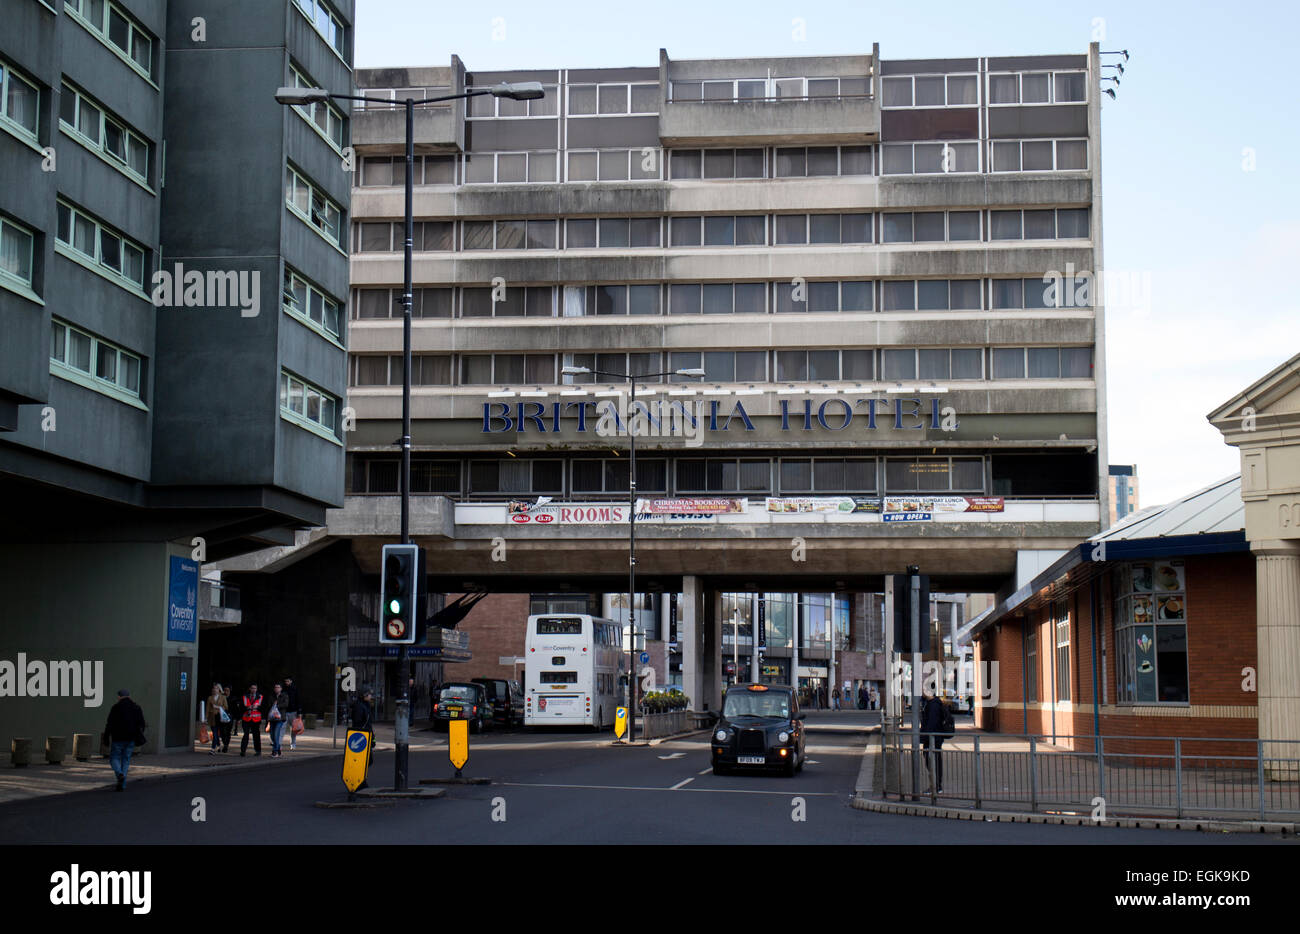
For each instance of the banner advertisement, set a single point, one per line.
(595, 514)
(923, 508)
(691, 505)
(822, 504)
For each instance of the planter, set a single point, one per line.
(83, 746)
(56, 749)
(309, 721)
(327, 719)
(20, 751)
(655, 725)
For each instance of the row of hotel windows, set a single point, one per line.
(1045, 87)
(689, 475)
(646, 163)
(723, 230)
(724, 298)
(113, 23)
(728, 366)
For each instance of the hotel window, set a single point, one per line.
(1062, 625)
(612, 165)
(516, 476)
(386, 98)
(1039, 155)
(718, 163)
(17, 251)
(929, 226)
(811, 365)
(930, 295)
(515, 301)
(19, 103)
(307, 301)
(723, 475)
(934, 474)
(484, 105)
(823, 296)
(1042, 362)
(1062, 87)
(1046, 224)
(380, 475)
(615, 232)
(323, 115)
(326, 22)
(929, 158)
(719, 230)
(735, 90)
(1151, 615)
(717, 298)
(388, 237)
(387, 303)
(88, 123)
(828, 475)
(611, 476)
(382, 171)
(582, 301)
(800, 229)
(386, 369)
(509, 235)
(100, 244)
(112, 22)
(930, 91)
(935, 363)
(1042, 292)
(813, 161)
(313, 207)
(613, 99)
(307, 405)
(720, 366)
(508, 167)
(93, 357)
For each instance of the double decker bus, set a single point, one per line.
(572, 670)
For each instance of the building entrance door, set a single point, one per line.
(180, 701)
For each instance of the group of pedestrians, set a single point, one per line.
(278, 710)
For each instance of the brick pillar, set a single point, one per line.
(1277, 634)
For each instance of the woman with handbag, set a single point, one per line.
(218, 715)
(275, 718)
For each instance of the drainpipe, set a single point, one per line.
(1051, 641)
(1096, 695)
(1024, 672)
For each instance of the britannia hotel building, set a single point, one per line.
(884, 268)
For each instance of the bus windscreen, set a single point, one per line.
(559, 627)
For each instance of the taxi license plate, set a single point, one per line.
(453, 714)
(751, 760)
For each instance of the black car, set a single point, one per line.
(761, 728)
(462, 700)
(506, 698)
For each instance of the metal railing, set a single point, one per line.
(1102, 776)
(219, 594)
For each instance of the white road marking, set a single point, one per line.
(676, 755)
(706, 771)
(681, 783)
(719, 791)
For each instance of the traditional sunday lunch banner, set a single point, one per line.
(923, 508)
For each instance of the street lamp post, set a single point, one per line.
(631, 520)
(527, 90)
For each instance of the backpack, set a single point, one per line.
(946, 725)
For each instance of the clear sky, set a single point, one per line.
(1200, 200)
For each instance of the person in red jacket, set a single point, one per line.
(252, 707)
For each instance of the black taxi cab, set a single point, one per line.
(761, 728)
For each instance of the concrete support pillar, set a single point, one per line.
(713, 678)
(690, 613)
(1277, 635)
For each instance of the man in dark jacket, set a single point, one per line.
(125, 729)
(932, 736)
(362, 712)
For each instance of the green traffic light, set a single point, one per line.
(395, 606)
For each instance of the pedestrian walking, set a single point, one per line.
(862, 697)
(294, 711)
(936, 726)
(218, 717)
(124, 731)
(821, 697)
(227, 724)
(361, 717)
(875, 699)
(835, 697)
(251, 705)
(278, 703)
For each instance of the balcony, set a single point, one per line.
(721, 103)
(219, 605)
(438, 128)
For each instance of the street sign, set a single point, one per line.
(645, 658)
(356, 758)
(620, 722)
(458, 743)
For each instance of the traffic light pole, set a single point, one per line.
(402, 726)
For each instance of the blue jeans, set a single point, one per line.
(277, 731)
(119, 757)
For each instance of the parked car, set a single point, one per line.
(761, 727)
(506, 698)
(462, 700)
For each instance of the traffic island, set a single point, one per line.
(456, 780)
(421, 794)
(355, 804)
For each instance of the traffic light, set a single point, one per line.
(399, 595)
(903, 613)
